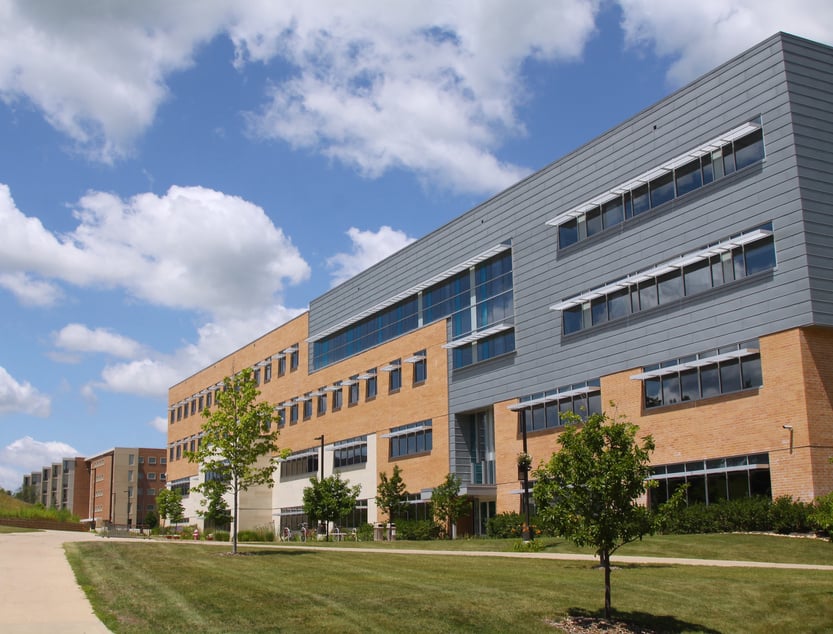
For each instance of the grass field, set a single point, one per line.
(174, 587)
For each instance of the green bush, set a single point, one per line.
(365, 533)
(789, 516)
(221, 536)
(505, 526)
(821, 516)
(416, 530)
(257, 534)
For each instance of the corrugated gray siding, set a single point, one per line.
(810, 81)
(752, 85)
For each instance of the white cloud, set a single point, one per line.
(704, 34)
(368, 248)
(21, 398)
(192, 248)
(25, 455)
(29, 291)
(429, 87)
(79, 338)
(159, 424)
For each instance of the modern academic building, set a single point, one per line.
(677, 270)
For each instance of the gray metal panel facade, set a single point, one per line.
(750, 86)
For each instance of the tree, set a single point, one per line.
(588, 490)
(169, 505)
(27, 494)
(215, 510)
(151, 520)
(447, 503)
(391, 496)
(237, 434)
(329, 499)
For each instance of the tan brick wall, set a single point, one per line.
(410, 404)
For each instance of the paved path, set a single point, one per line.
(38, 591)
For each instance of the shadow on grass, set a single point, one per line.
(641, 622)
(276, 552)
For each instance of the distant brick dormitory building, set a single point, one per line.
(679, 266)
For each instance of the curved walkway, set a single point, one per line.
(40, 594)
(38, 588)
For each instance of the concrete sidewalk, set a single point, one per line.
(38, 591)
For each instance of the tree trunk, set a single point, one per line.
(606, 564)
(234, 519)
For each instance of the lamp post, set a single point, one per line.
(321, 457)
(127, 519)
(527, 531)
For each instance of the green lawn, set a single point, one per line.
(175, 587)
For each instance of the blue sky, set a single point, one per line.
(177, 179)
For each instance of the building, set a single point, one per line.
(679, 266)
(60, 485)
(123, 483)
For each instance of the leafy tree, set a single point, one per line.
(238, 444)
(588, 490)
(391, 496)
(330, 499)
(28, 494)
(169, 504)
(215, 510)
(821, 516)
(447, 504)
(151, 520)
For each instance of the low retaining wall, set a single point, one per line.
(45, 525)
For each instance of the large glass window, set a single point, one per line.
(301, 465)
(350, 452)
(704, 375)
(544, 410)
(411, 439)
(670, 183)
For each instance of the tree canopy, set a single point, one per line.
(239, 442)
(169, 505)
(391, 495)
(330, 499)
(588, 492)
(447, 504)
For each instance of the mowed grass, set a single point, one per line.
(176, 587)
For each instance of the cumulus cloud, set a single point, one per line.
(159, 424)
(429, 86)
(79, 338)
(192, 248)
(16, 397)
(29, 291)
(369, 247)
(701, 35)
(25, 455)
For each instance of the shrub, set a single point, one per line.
(821, 516)
(365, 533)
(222, 536)
(789, 516)
(256, 534)
(533, 546)
(417, 530)
(505, 526)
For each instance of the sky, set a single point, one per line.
(179, 178)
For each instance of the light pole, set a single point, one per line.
(321, 457)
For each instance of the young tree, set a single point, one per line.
(151, 520)
(238, 444)
(588, 490)
(169, 505)
(329, 499)
(215, 510)
(447, 504)
(391, 496)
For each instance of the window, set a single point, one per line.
(208, 398)
(371, 385)
(412, 439)
(257, 376)
(394, 370)
(163, 461)
(350, 452)
(307, 406)
(420, 365)
(353, 390)
(171, 416)
(151, 476)
(338, 398)
(544, 410)
(300, 465)
(281, 414)
(293, 358)
(293, 413)
(704, 375)
(714, 480)
(321, 409)
(282, 366)
(740, 256)
(267, 372)
(678, 177)
(131, 459)
(152, 460)
(193, 406)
